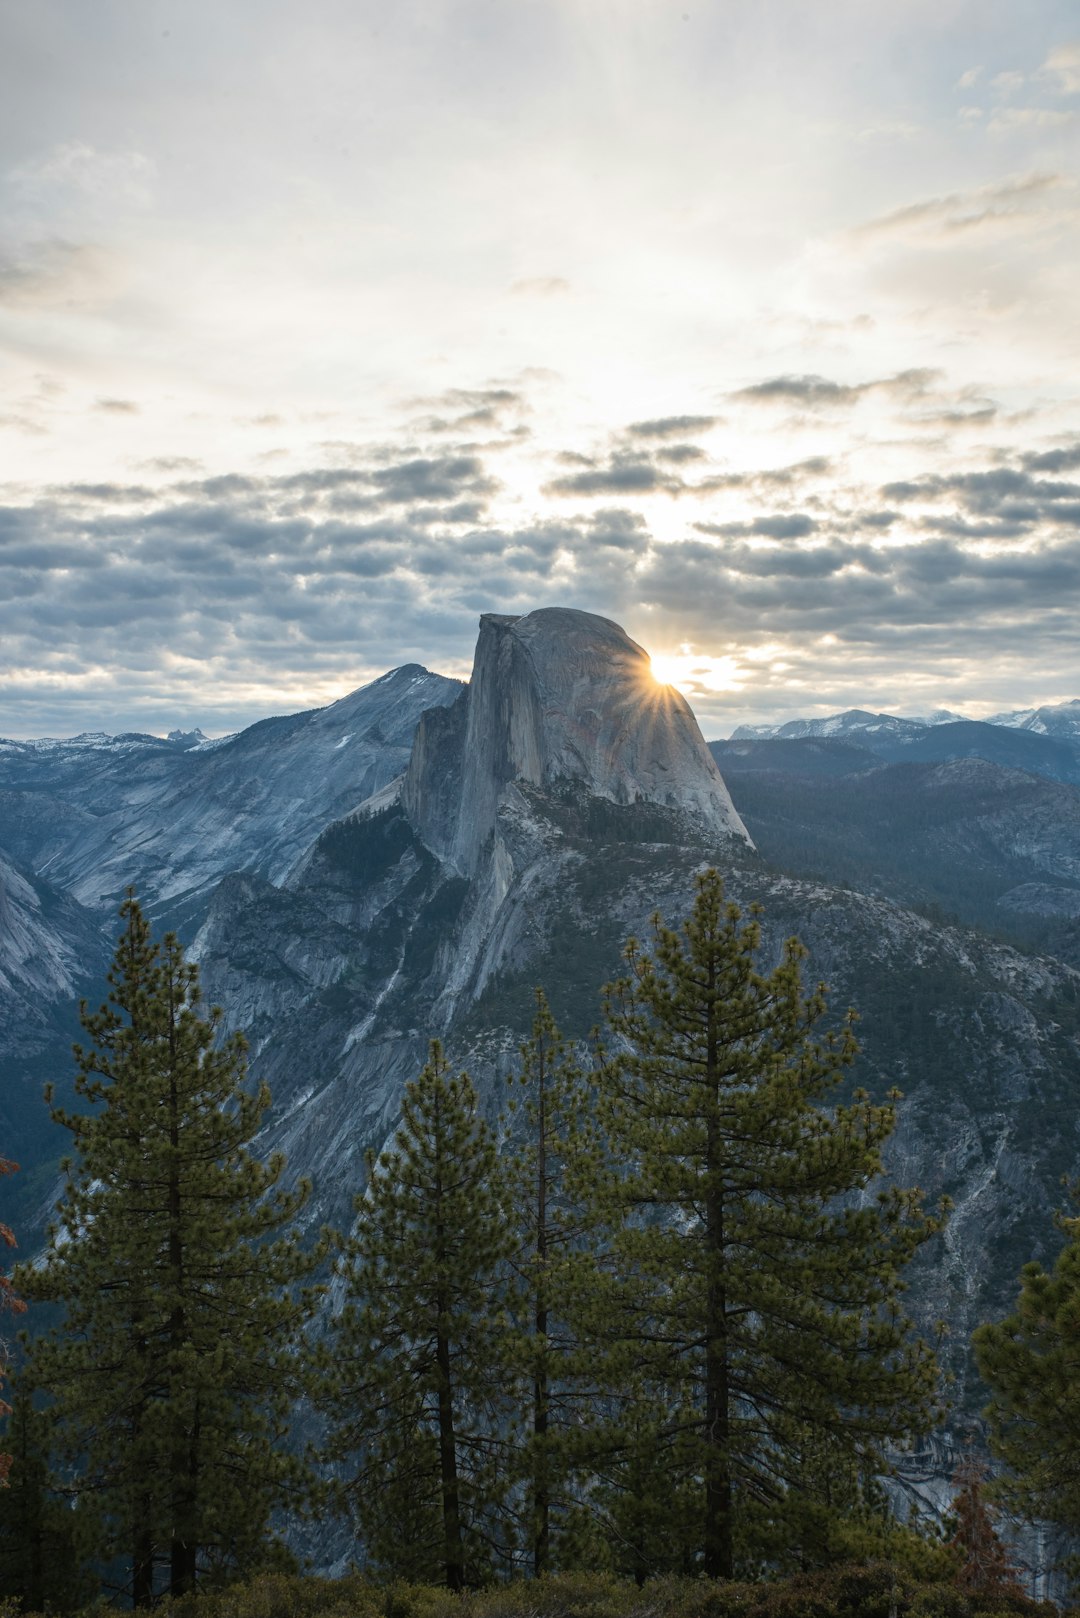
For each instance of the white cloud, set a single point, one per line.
(1062, 67)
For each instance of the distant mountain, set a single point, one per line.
(890, 739)
(172, 817)
(1063, 719)
(995, 846)
(856, 721)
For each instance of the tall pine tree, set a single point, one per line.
(552, 1137)
(415, 1390)
(10, 1303)
(41, 1549)
(1031, 1365)
(175, 1372)
(757, 1300)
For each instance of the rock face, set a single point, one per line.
(557, 698)
(103, 813)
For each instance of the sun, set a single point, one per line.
(693, 672)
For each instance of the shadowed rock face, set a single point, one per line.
(558, 697)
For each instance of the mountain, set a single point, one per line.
(415, 859)
(50, 954)
(98, 813)
(883, 737)
(997, 847)
(542, 819)
(856, 721)
(1061, 719)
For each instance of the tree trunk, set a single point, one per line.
(451, 1504)
(541, 1493)
(719, 1557)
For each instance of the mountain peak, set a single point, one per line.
(556, 696)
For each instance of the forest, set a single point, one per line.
(637, 1344)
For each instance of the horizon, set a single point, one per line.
(752, 328)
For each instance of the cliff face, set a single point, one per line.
(558, 698)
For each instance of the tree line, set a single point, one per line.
(650, 1320)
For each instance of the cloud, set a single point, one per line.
(540, 286)
(74, 170)
(624, 474)
(789, 525)
(1062, 68)
(1010, 119)
(671, 426)
(50, 271)
(820, 392)
(1005, 202)
(117, 407)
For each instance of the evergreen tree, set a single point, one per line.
(1029, 1361)
(985, 1569)
(175, 1372)
(41, 1551)
(552, 1130)
(10, 1303)
(415, 1388)
(755, 1299)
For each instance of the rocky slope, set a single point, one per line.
(510, 857)
(50, 954)
(100, 813)
(997, 847)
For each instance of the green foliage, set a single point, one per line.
(552, 1128)
(413, 1370)
(174, 1376)
(10, 1303)
(751, 1294)
(1029, 1362)
(875, 1590)
(41, 1540)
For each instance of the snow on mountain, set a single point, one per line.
(1062, 719)
(852, 722)
(1059, 719)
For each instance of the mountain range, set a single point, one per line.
(412, 860)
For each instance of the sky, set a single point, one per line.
(753, 325)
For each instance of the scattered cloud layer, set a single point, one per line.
(754, 327)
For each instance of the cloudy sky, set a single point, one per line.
(752, 324)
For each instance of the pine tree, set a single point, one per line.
(41, 1551)
(418, 1402)
(757, 1299)
(1029, 1361)
(552, 1135)
(986, 1569)
(10, 1303)
(174, 1375)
